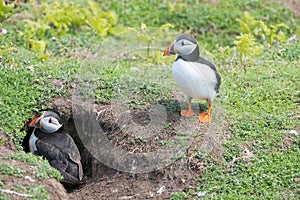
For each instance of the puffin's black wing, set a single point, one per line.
(72, 151)
(58, 158)
(218, 76)
(52, 154)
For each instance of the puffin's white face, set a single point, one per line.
(184, 47)
(49, 124)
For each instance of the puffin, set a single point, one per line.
(48, 140)
(195, 76)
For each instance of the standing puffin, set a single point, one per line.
(48, 140)
(195, 76)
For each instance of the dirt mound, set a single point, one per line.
(107, 183)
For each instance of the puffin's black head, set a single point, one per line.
(185, 46)
(48, 122)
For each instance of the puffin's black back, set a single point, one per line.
(62, 153)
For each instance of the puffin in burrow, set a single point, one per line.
(49, 140)
(195, 76)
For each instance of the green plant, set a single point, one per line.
(265, 176)
(150, 35)
(179, 196)
(214, 24)
(290, 52)
(17, 93)
(274, 32)
(247, 46)
(35, 192)
(2, 142)
(258, 28)
(41, 166)
(11, 170)
(60, 18)
(6, 10)
(3, 197)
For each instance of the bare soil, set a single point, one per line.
(107, 183)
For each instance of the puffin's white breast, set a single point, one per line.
(195, 79)
(32, 143)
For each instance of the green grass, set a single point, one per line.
(41, 166)
(36, 192)
(261, 104)
(268, 176)
(7, 169)
(207, 20)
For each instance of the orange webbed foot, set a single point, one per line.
(204, 117)
(187, 113)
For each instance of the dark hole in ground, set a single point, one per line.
(103, 181)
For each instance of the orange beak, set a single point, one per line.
(170, 50)
(33, 122)
(167, 51)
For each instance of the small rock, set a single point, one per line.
(161, 190)
(115, 190)
(151, 194)
(125, 197)
(201, 194)
(134, 69)
(292, 39)
(292, 132)
(3, 31)
(30, 179)
(31, 68)
(143, 26)
(98, 113)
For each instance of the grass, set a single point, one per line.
(36, 192)
(206, 19)
(41, 166)
(261, 104)
(11, 170)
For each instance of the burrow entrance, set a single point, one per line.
(102, 180)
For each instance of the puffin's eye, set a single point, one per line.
(50, 121)
(182, 43)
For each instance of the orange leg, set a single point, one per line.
(205, 117)
(189, 112)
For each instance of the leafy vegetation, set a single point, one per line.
(261, 105)
(41, 166)
(6, 10)
(2, 196)
(58, 18)
(247, 46)
(35, 192)
(207, 19)
(11, 170)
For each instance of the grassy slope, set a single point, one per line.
(261, 104)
